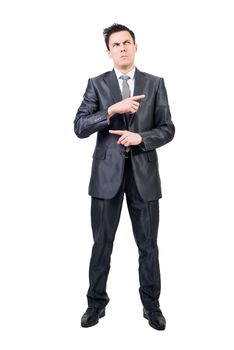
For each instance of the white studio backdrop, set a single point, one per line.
(49, 49)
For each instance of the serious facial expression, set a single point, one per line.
(122, 50)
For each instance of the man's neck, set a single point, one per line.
(125, 70)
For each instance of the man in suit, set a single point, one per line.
(129, 111)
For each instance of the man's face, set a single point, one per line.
(122, 50)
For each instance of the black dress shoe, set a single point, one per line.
(91, 316)
(156, 319)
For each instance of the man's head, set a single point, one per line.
(121, 46)
(115, 28)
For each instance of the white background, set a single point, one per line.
(49, 49)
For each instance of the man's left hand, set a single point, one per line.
(127, 138)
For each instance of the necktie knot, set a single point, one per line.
(124, 77)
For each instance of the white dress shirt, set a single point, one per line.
(131, 81)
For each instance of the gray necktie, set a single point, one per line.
(125, 87)
(125, 94)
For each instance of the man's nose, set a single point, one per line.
(122, 47)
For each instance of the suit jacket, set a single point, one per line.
(152, 121)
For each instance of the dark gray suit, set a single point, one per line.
(152, 122)
(113, 175)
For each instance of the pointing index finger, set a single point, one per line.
(137, 97)
(117, 132)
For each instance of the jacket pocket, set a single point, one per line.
(99, 153)
(152, 156)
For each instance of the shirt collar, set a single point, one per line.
(130, 74)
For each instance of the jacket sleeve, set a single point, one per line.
(89, 118)
(164, 128)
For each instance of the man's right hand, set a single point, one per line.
(129, 105)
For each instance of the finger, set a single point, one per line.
(123, 137)
(117, 132)
(121, 142)
(135, 104)
(133, 110)
(137, 97)
(124, 142)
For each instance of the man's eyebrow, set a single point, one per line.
(118, 43)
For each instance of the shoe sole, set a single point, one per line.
(102, 314)
(152, 325)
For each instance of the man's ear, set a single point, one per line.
(136, 47)
(109, 53)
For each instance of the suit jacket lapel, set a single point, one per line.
(139, 85)
(139, 89)
(112, 82)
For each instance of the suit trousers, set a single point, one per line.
(105, 215)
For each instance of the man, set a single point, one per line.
(129, 111)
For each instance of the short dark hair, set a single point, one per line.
(114, 28)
